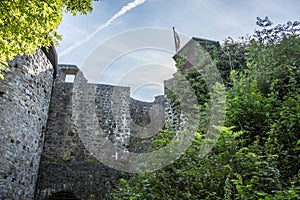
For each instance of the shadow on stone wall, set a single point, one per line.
(66, 164)
(77, 111)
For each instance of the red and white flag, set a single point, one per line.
(177, 40)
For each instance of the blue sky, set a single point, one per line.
(144, 68)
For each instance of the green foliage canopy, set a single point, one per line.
(26, 25)
(257, 155)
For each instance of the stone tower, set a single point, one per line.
(25, 95)
(66, 165)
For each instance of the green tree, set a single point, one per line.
(257, 155)
(264, 103)
(26, 25)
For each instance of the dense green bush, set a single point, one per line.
(257, 154)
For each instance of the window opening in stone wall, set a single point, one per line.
(2, 90)
(70, 78)
(63, 196)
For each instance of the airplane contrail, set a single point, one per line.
(121, 12)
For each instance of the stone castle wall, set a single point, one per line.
(46, 150)
(80, 110)
(24, 100)
(82, 117)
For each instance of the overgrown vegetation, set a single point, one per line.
(257, 154)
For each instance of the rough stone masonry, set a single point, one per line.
(41, 151)
(24, 102)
